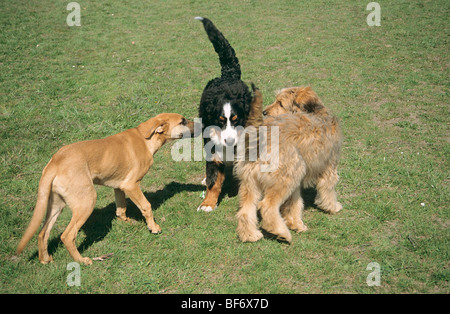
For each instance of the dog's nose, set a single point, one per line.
(265, 112)
(229, 141)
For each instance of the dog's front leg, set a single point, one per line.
(215, 175)
(247, 215)
(135, 194)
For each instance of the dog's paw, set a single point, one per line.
(299, 227)
(123, 218)
(336, 208)
(286, 237)
(250, 237)
(206, 208)
(280, 232)
(86, 261)
(46, 260)
(156, 229)
(332, 208)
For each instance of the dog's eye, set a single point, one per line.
(222, 119)
(234, 118)
(281, 104)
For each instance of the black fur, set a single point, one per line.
(228, 88)
(227, 57)
(218, 92)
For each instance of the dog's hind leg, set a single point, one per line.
(326, 192)
(54, 208)
(247, 215)
(292, 212)
(121, 204)
(82, 205)
(270, 212)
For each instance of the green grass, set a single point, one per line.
(389, 86)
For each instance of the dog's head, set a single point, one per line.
(224, 108)
(229, 118)
(166, 126)
(294, 99)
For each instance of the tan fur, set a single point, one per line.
(295, 99)
(119, 161)
(255, 115)
(309, 147)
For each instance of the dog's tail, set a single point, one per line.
(255, 116)
(227, 56)
(250, 140)
(45, 186)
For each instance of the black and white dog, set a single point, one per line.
(224, 109)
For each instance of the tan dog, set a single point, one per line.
(119, 161)
(309, 145)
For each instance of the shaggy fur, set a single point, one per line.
(225, 104)
(295, 99)
(309, 145)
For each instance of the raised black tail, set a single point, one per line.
(228, 60)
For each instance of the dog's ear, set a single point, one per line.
(163, 128)
(152, 126)
(307, 100)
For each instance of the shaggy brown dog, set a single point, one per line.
(308, 152)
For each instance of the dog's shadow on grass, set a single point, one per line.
(100, 222)
(309, 195)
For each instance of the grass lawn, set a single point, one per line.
(130, 60)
